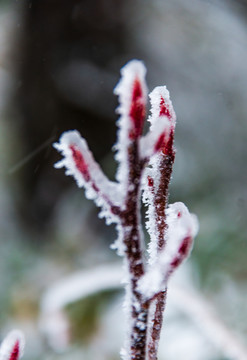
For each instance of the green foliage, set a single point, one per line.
(85, 315)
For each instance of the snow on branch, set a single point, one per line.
(132, 93)
(145, 167)
(79, 163)
(142, 160)
(155, 139)
(182, 227)
(158, 174)
(155, 197)
(12, 346)
(161, 105)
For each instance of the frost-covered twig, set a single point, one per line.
(12, 346)
(205, 317)
(79, 162)
(156, 198)
(120, 201)
(182, 228)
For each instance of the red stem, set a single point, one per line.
(133, 250)
(160, 203)
(157, 322)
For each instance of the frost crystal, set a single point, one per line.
(145, 166)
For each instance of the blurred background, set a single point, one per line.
(59, 63)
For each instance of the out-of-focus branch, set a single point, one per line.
(80, 285)
(12, 346)
(199, 311)
(205, 317)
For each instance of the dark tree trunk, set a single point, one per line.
(69, 57)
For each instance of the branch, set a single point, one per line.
(155, 196)
(182, 227)
(79, 163)
(204, 316)
(189, 301)
(53, 320)
(120, 201)
(132, 98)
(12, 346)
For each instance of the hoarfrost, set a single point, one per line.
(79, 163)
(161, 112)
(133, 71)
(148, 143)
(171, 229)
(182, 228)
(118, 244)
(161, 105)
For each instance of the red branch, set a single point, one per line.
(167, 157)
(134, 253)
(128, 214)
(80, 162)
(137, 110)
(15, 352)
(182, 252)
(164, 111)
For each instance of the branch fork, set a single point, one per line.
(145, 167)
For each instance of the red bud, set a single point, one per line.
(137, 110)
(80, 162)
